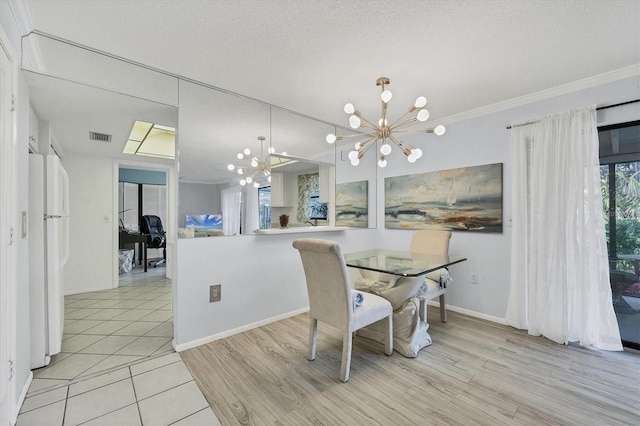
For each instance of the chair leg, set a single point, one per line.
(443, 309)
(313, 337)
(388, 337)
(347, 343)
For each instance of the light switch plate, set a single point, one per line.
(214, 293)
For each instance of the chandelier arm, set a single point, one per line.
(365, 143)
(395, 124)
(406, 149)
(355, 134)
(364, 120)
(415, 131)
(364, 147)
(383, 114)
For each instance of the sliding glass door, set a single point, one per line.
(620, 177)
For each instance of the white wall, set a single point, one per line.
(262, 280)
(92, 248)
(262, 277)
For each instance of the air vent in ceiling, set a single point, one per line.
(100, 137)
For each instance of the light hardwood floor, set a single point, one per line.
(475, 372)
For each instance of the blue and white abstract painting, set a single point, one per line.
(352, 204)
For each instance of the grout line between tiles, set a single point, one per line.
(192, 414)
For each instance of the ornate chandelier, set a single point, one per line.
(258, 169)
(385, 132)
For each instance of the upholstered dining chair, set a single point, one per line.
(332, 300)
(434, 242)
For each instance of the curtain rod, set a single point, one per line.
(597, 109)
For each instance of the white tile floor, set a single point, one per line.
(117, 365)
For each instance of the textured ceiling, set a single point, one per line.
(314, 56)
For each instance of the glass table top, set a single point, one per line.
(403, 263)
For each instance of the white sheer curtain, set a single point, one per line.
(559, 264)
(231, 198)
(252, 210)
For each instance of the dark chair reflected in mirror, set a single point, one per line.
(152, 227)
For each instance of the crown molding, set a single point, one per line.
(585, 83)
(29, 45)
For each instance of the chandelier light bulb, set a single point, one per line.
(240, 171)
(240, 156)
(331, 138)
(380, 122)
(357, 146)
(247, 151)
(254, 162)
(354, 122)
(417, 152)
(256, 185)
(412, 158)
(271, 150)
(385, 149)
(355, 162)
(231, 167)
(243, 182)
(269, 178)
(423, 115)
(439, 130)
(249, 179)
(382, 162)
(353, 155)
(420, 102)
(349, 109)
(386, 96)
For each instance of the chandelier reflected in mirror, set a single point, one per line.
(385, 132)
(256, 170)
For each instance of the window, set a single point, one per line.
(620, 177)
(264, 204)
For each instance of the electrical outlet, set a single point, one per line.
(214, 293)
(474, 278)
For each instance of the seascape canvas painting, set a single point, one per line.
(352, 204)
(464, 199)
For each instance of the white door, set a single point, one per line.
(7, 244)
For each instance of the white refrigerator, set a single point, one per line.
(48, 253)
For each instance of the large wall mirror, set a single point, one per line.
(215, 126)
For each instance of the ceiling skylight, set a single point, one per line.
(153, 140)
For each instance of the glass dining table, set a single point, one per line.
(399, 276)
(401, 263)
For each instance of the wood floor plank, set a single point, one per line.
(474, 373)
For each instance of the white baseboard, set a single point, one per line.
(23, 395)
(87, 290)
(470, 313)
(204, 340)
